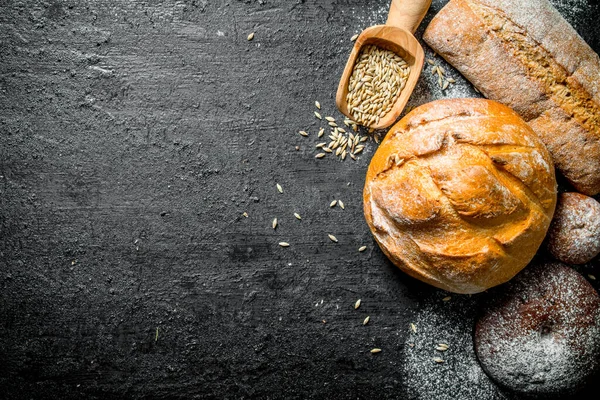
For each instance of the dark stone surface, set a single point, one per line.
(133, 136)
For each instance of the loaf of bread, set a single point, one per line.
(525, 55)
(574, 235)
(539, 335)
(460, 194)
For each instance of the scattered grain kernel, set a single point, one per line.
(413, 327)
(357, 304)
(297, 216)
(354, 37)
(333, 203)
(274, 223)
(318, 105)
(284, 244)
(447, 298)
(375, 350)
(251, 36)
(362, 248)
(279, 188)
(366, 320)
(333, 238)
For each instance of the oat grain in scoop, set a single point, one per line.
(377, 80)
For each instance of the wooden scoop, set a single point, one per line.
(396, 35)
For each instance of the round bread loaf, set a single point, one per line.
(460, 194)
(574, 235)
(540, 335)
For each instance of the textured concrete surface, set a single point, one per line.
(133, 137)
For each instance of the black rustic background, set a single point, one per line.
(133, 137)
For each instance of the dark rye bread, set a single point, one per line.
(525, 55)
(540, 333)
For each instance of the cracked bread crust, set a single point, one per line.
(460, 194)
(525, 55)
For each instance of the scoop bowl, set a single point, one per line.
(396, 35)
(400, 42)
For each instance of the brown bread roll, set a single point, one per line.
(540, 334)
(574, 235)
(522, 53)
(460, 194)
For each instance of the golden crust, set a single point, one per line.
(460, 194)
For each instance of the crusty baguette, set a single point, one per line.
(460, 194)
(525, 55)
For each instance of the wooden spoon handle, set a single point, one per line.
(407, 14)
